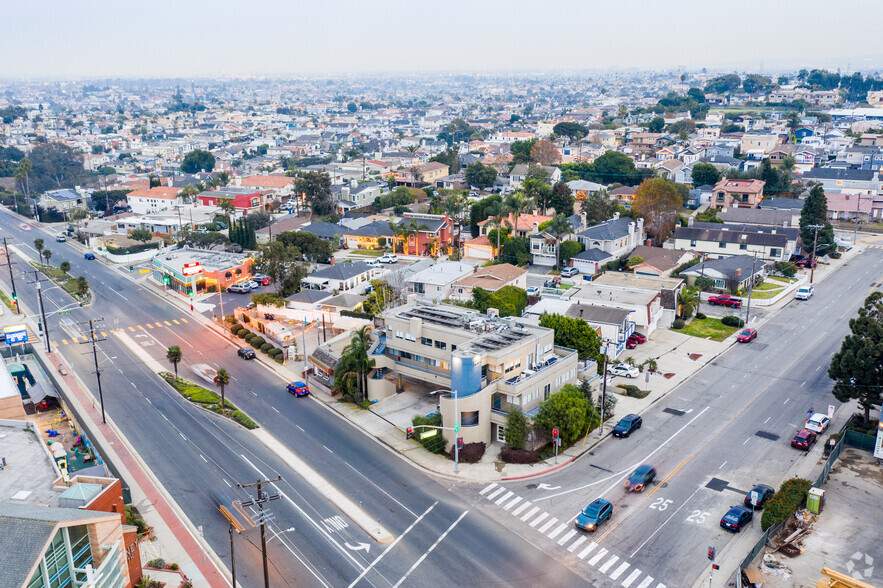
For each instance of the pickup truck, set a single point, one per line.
(725, 300)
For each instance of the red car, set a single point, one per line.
(630, 343)
(725, 300)
(805, 262)
(746, 335)
(804, 440)
(638, 337)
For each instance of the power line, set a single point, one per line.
(262, 517)
(93, 340)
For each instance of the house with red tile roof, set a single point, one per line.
(527, 224)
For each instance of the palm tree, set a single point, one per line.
(560, 227)
(515, 204)
(412, 148)
(497, 215)
(223, 178)
(221, 379)
(38, 245)
(174, 355)
(452, 205)
(357, 350)
(688, 299)
(65, 267)
(47, 253)
(227, 207)
(397, 232)
(412, 228)
(22, 174)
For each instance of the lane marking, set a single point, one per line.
(329, 451)
(767, 420)
(298, 426)
(413, 514)
(786, 401)
(158, 324)
(504, 498)
(598, 557)
(276, 409)
(496, 493)
(723, 464)
(647, 581)
(203, 458)
(746, 441)
(149, 326)
(183, 320)
(524, 506)
(140, 328)
(659, 528)
(608, 564)
(579, 541)
(557, 531)
(168, 324)
(428, 551)
(620, 570)
(176, 322)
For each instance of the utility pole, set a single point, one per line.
(262, 518)
(750, 289)
(812, 260)
(93, 340)
(11, 278)
(42, 310)
(232, 558)
(857, 216)
(603, 387)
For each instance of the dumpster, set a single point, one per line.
(815, 500)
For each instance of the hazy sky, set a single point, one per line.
(164, 38)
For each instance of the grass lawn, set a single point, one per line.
(708, 328)
(765, 294)
(208, 399)
(367, 252)
(6, 300)
(565, 286)
(766, 286)
(782, 279)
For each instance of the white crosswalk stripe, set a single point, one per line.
(580, 540)
(558, 530)
(609, 563)
(505, 497)
(495, 493)
(631, 578)
(512, 503)
(619, 571)
(549, 524)
(488, 487)
(567, 536)
(646, 582)
(660, 585)
(530, 513)
(540, 518)
(598, 556)
(589, 548)
(524, 506)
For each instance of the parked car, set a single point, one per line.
(388, 258)
(803, 293)
(763, 492)
(261, 279)
(725, 300)
(375, 263)
(89, 255)
(252, 285)
(241, 288)
(630, 343)
(594, 514)
(298, 389)
(747, 335)
(640, 478)
(569, 272)
(627, 424)
(806, 262)
(533, 291)
(640, 338)
(804, 440)
(817, 423)
(60, 238)
(623, 369)
(736, 518)
(246, 353)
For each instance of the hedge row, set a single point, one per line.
(790, 497)
(733, 321)
(471, 452)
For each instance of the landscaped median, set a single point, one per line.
(208, 399)
(78, 288)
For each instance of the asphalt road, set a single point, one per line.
(715, 436)
(440, 537)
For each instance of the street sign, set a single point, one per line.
(457, 427)
(831, 411)
(878, 446)
(15, 334)
(754, 498)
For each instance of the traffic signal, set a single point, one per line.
(190, 292)
(711, 553)
(14, 297)
(131, 269)
(165, 280)
(460, 443)
(409, 432)
(555, 434)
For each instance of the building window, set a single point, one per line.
(743, 246)
(441, 345)
(400, 335)
(469, 419)
(410, 337)
(692, 242)
(426, 341)
(501, 433)
(774, 252)
(722, 245)
(547, 391)
(405, 355)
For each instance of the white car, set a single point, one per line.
(803, 293)
(623, 369)
(375, 263)
(569, 272)
(388, 258)
(533, 291)
(817, 423)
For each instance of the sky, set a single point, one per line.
(198, 38)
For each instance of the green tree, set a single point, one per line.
(658, 202)
(705, 173)
(174, 355)
(351, 107)
(562, 198)
(707, 216)
(569, 412)
(597, 209)
(515, 204)
(82, 286)
(520, 151)
(574, 333)
(449, 157)
(47, 253)
(857, 369)
(614, 166)
(413, 227)
(284, 266)
(569, 249)
(656, 125)
(221, 379)
(55, 165)
(315, 188)
(65, 267)
(516, 429)
(560, 227)
(354, 365)
(515, 250)
(571, 130)
(22, 175)
(381, 297)
(312, 247)
(198, 160)
(723, 84)
(142, 235)
(480, 176)
(497, 215)
(815, 213)
(688, 300)
(756, 83)
(39, 245)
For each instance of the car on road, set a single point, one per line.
(60, 238)
(261, 279)
(763, 492)
(246, 353)
(817, 423)
(639, 338)
(747, 335)
(725, 300)
(640, 478)
(623, 369)
(24, 227)
(299, 389)
(89, 255)
(627, 424)
(736, 518)
(388, 258)
(375, 263)
(569, 272)
(594, 514)
(804, 440)
(240, 288)
(803, 293)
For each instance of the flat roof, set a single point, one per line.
(209, 260)
(606, 293)
(641, 281)
(29, 472)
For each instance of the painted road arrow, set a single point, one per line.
(547, 487)
(359, 547)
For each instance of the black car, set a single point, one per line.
(736, 518)
(246, 353)
(628, 423)
(764, 493)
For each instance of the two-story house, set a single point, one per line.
(422, 174)
(737, 194)
(718, 241)
(154, 200)
(490, 279)
(437, 281)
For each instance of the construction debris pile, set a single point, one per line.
(790, 539)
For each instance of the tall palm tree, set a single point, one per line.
(22, 174)
(355, 364)
(560, 227)
(689, 301)
(223, 178)
(38, 245)
(221, 379)
(174, 355)
(497, 215)
(47, 253)
(413, 228)
(515, 204)
(397, 233)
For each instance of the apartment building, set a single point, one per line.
(494, 365)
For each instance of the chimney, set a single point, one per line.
(690, 221)
(265, 173)
(238, 181)
(615, 215)
(582, 219)
(169, 183)
(631, 228)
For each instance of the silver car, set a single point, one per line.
(623, 369)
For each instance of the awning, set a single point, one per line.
(39, 391)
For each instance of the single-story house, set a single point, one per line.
(491, 279)
(342, 276)
(729, 273)
(658, 261)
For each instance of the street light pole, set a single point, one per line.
(43, 313)
(11, 278)
(232, 558)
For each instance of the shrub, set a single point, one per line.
(275, 352)
(242, 334)
(701, 315)
(157, 563)
(434, 444)
(257, 341)
(267, 348)
(236, 328)
(678, 324)
(790, 497)
(174, 566)
(519, 455)
(279, 359)
(834, 255)
(243, 420)
(471, 452)
(732, 321)
(250, 338)
(516, 429)
(633, 391)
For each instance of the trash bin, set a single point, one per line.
(815, 500)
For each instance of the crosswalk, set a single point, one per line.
(574, 541)
(128, 329)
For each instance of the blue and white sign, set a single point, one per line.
(15, 334)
